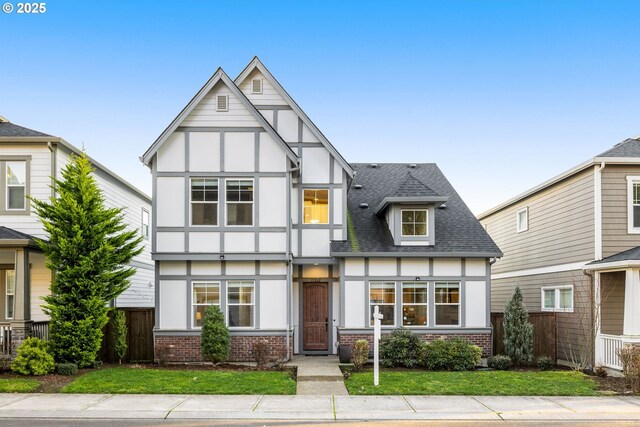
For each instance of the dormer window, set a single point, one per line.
(414, 222)
(256, 85)
(222, 103)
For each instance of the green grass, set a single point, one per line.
(156, 381)
(497, 383)
(18, 385)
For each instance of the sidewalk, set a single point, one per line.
(328, 408)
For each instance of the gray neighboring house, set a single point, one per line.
(28, 160)
(572, 243)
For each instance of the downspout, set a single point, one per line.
(290, 172)
(594, 313)
(597, 184)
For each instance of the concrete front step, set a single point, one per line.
(322, 388)
(319, 378)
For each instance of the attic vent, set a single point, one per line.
(358, 186)
(364, 205)
(374, 165)
(222, 103)
(256, 85)
(413, 166)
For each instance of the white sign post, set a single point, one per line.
(376, 344)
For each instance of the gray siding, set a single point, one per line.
(615, 237)
(561, 227)
(612, 302)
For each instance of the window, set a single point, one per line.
(316, 206)
(256, 85)
(204, 201)
(414, 304)
(144, 227)
(414, 222)
(222, 103)
(557, 298)
(522, 220)
(10, 291)
(633, 201)
(447, 303)
(383, 294)
(204, 295)
(239, 201)
(16, 184)
(240, 304)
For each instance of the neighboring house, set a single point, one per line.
(28, 160)
(572, 244)
(256, 212)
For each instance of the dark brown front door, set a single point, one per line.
(315, 308)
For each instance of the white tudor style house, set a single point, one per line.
(256, 212)
(28, 161)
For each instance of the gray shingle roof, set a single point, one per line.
(632, 254)
(9, 129)
(457, 230)
(626, 148)
(412, 187)
(11, 234)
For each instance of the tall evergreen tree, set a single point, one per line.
(518, 332)
(88, 251)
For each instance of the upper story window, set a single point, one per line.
(316, 206)
(522, 220)
(204, 201)
(16, 185)
(239, 198)
(633, 202)
(557, 298)
(414, 222)
(144, 224)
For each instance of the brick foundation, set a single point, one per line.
(481, 340)
(187, 348)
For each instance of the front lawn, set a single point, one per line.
(157, 381)
(497, 383)
(18, 385)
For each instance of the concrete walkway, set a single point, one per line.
(319, 375)
(328, 408)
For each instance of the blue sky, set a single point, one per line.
(501, 94)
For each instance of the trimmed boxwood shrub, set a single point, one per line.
(499, 362)
(33, 358)
(456, 354)
(66, 368)
(545, 363)
(360, 354)
(401, 348)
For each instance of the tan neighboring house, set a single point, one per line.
(572, 244)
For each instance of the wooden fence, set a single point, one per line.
(139, 337)
(544, 334)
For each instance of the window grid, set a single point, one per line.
(447, 303)
(383, 294)
(241, 304)
(16, 185)
(239, 199)
(204, 201)
(557, 298)
(204, 294)
(415, 304)
(10, 291)
(636, 204)
(414, 222)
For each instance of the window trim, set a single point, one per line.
(193, 305)
(142, 224)
(3, 185)
(7, 294)
(227, 203)
(519, 227)
(191, 202)
(402, 303)
(371, 306)
(328, 190)
(436, 304)
(556, 302)
(631, 180)
(240, 283)
(419, 236)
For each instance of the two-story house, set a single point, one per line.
(28, 161)
(571, 244)
(257, 212)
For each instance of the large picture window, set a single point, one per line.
(383, 294)
(204, 201)
(414, 222)
(414, 304)
(447, 303)
(16, 184)
(239, 198)
(316, 206)
(240, 303)
(204, 295)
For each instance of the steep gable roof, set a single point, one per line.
(9, 129)
(627, 148)
(218, 76)
(410, 190)
(256, 63)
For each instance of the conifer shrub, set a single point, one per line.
(518, 332)
(33, 358)
(66, 368)
(545, 363)
(119, 327)
(360, 354)
(215, 340)
(500, 362)
(401, 348)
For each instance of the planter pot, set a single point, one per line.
(344, 353)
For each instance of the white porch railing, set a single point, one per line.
(607, 347)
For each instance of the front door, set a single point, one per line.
(315, 311)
